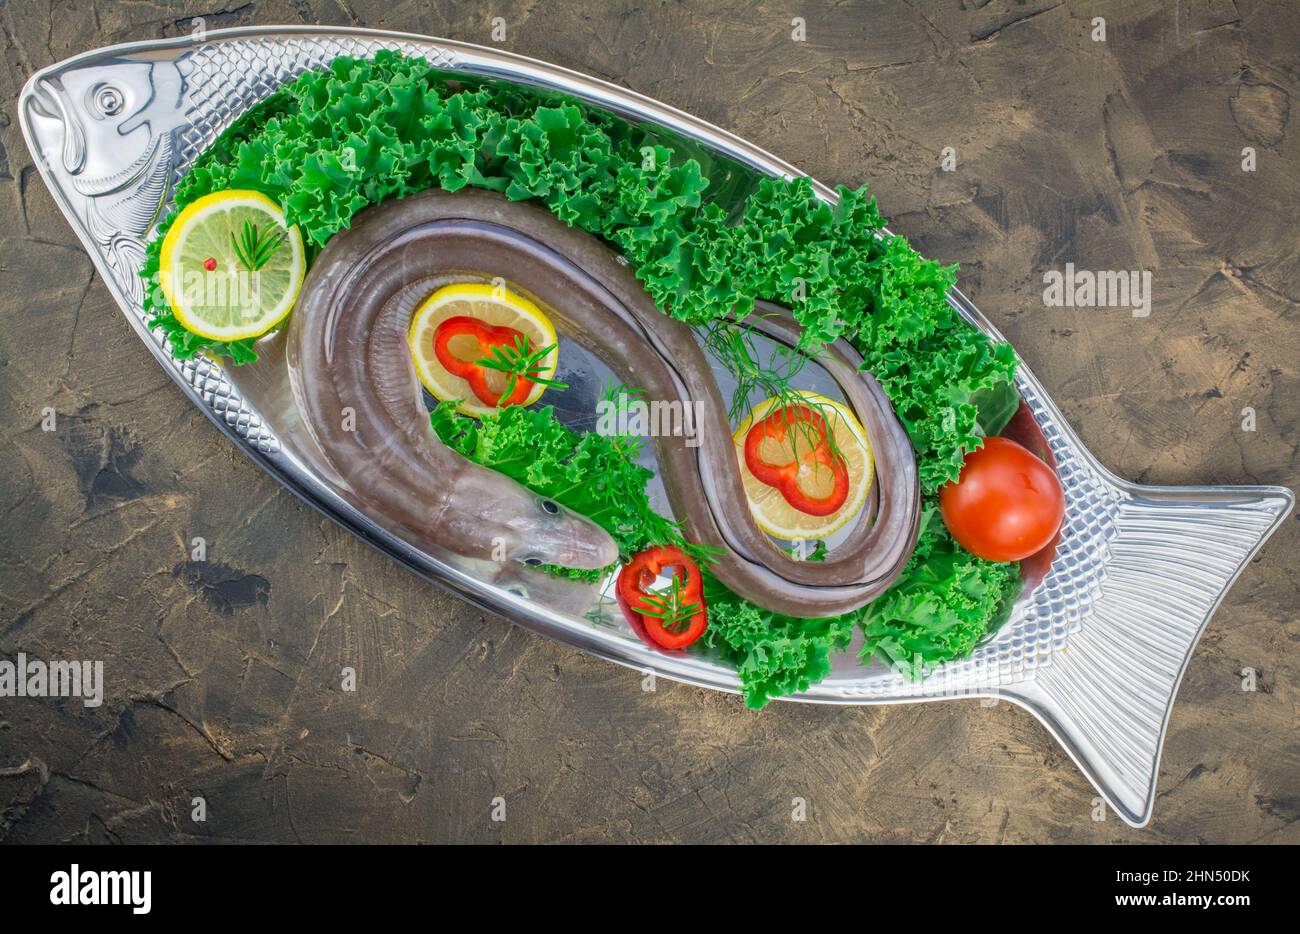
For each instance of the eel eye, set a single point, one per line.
(550, 506)
(533, 561)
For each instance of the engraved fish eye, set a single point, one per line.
(109, 100)
(550, 507)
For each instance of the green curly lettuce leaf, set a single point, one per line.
(995, 406)
(595, 475)
(362, 130)
(336, 140)
(774, 655)
(942, 605)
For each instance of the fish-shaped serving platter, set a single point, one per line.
(1096, 643)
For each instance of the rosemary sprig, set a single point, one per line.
(670, 608)
(255, 247)
(520, 362)
(612, 390)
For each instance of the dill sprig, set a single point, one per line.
(734, 346)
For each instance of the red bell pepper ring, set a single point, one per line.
(487, 336)
(785, 477)
(646, 611)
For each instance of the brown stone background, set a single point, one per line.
(223, 677)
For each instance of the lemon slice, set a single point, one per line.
(204, 265)
(492, 305)
(773, 514)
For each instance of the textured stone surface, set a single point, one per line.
(223, 677)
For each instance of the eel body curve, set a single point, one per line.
(355, 385)
(347, 346)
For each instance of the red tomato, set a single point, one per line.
(1006, 505)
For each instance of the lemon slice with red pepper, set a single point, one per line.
(806, 465)
(229, 267)
(484, 347)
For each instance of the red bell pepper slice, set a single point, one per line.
(487, 336)
(661, 620)
(812, 447)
